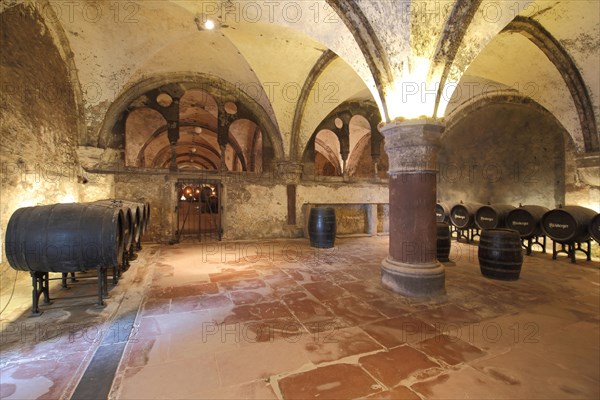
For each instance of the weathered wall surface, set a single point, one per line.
(254, 207)
(504, 153)
(38, 126)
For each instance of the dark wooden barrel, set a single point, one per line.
(492, 216)
(526, 220)
(500, 254)
(595, 228)
(322, 227)
(130, 220)
(462, 215)
(568, 224)
(137, 211)
(442, 212)
(65, 238)
(146, 217)
(443, 242)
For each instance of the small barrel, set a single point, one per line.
(443, 242)
(442, 212)
(500, 254)
(492, 216)
(462, 215)
(568, 224)
(595, 228)
(526, 220)
(322, 227)
(64, 238)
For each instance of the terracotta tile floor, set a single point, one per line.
(279, 320)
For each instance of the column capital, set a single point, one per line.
(412, 145)
(289, 171)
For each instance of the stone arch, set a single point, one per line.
(215, 86)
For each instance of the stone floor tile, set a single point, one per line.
(198, 303)
(465, 383)
(398, 393)
(257, 312)
(233, 275)
(530, 376)
(338, 344)
(183, 378)
(352, 310)
(260, 361)
(448, 314)
(244, 284)
(449, 349)
(337, 381)
(253, 390)
(307, 309)
(400, 330)
(325, 290)
(394, 366)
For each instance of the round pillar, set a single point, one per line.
(411, 268)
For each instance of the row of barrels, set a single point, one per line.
(565, 224)
(75, 237)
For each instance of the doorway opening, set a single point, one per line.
(199, 210)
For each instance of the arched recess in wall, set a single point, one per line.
(347, 142)
(176, 85)
(503, 149)
(201, 142)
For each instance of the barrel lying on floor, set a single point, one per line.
(68, 238)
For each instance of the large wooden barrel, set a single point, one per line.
(442, 212)
(526, 220)
(65, 238)
(129, 220)
(322, 227)
(443, 242)
(492, 216)
(568, 224)
(500, 254)
(595, 228)
(462, 215)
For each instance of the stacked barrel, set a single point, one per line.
(569, 227)
(70, 238)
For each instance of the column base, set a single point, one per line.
(413, 280)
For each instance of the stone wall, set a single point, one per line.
(504, 153)
(39, 123)
(254, 206)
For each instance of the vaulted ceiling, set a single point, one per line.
(298, 60)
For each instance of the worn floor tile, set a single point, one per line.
(449, 349)
(338, 381)
(393, 366)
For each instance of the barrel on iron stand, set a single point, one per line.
(443, 242)
(526, 220)
(322, 227)
(492, 216)
(595, 228)
(500, 254)
(568, 224)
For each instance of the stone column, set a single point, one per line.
(372, 219)
(411, 267)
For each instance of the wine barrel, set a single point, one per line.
(443, 242)
(526, 220)
(500, 255)
(129, 220)
(568, 224)
(65, 238)
(146, 217)
(595, 228)
(137, 210)
(462, 215)
(442, 212)
(322, 227)
(492, 216)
